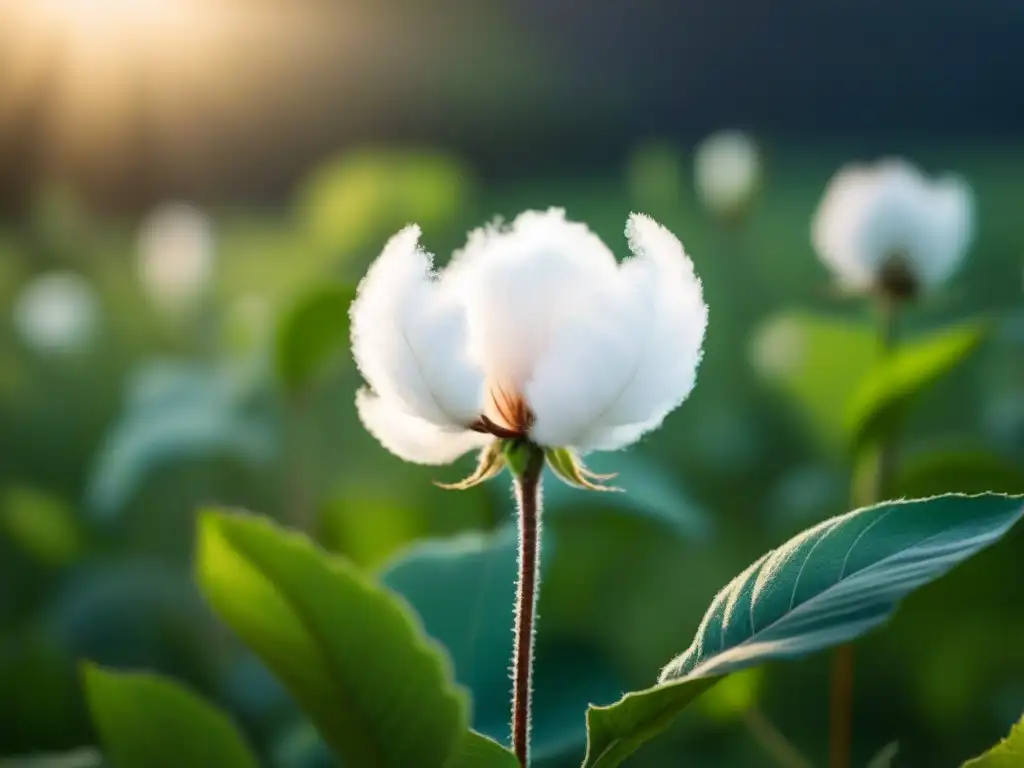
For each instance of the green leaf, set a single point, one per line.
(145, 721)
(826, 586)
(650, 493)
(477, 751)
(351, 201)
(816, 362)
(884, 393)
(311, 334)
(132, 613)
(464, 589)
(1008, 753)
(617, 731)
(350, 653)
(43, 526)
(177, 412)
(958, 469)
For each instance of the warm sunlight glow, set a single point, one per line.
(99, 80)
(103, 18)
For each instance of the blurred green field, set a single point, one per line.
(98, 497)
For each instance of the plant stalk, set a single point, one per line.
(772, 741)
(883, 464)
(528, 496)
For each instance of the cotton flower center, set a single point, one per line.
(896, 276)
(506, 414)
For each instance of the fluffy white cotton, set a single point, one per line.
(890, 210)
(176, 255)
(409, 337)
(56, 312)
(412, 438)
(635, 373)
(727, 170)
(537, 313)
(521, 284)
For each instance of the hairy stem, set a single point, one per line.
(876, 488)
(772, 741)
(528, 496)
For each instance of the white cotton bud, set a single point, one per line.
(727, 172)
(886, 227)
(56, 312)
(176, 256)
(533, 333)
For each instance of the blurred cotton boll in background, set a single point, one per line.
(888, 228)
(727, 172)
(175, 254)
(57, 312)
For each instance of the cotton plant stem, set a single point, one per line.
(772, 741)
(528, 496)
(883, 464)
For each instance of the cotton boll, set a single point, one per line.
(57, 312)
(409, 337)
(534, 334)
(887, 227)
(175, 255)
(521, 283)
(727, 171)
(410, 437)
(668, 323)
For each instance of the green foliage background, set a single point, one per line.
(96, 538)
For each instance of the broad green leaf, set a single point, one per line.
(617, 731)
(348, 651)
(145, 720)
(959, 469)
(826, 586)
(86, 757)
(816, 362)
(1008, 753)
(177, 412)
(311, 334)
(883, 394)
(464, 590)
(477, 751)
(43, 526)
(650, 493)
